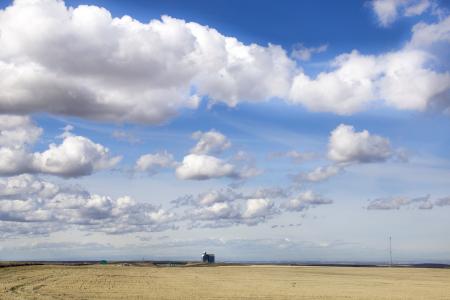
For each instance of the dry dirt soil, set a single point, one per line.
(222, 282)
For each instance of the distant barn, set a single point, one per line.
(208, 258)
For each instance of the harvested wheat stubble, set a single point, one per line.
(223, 282)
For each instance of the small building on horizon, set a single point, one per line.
(208, 258)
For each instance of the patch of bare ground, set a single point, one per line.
(222, 282)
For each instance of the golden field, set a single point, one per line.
(222, 282)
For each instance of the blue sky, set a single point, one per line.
(266, 22)
(292, 131)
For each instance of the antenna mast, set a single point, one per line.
(390, 250)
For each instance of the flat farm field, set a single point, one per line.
(222, 282)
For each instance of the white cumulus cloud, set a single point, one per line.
(210, 142)
(216, 196)
(321, 173)
(152, 163)
(347, 145)
(305, 200)
(387, 11)
(52, 207)
(17, 131)
(82, 61)
(403, 79)
(201, 167)
(258, 208)
(75, 156)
